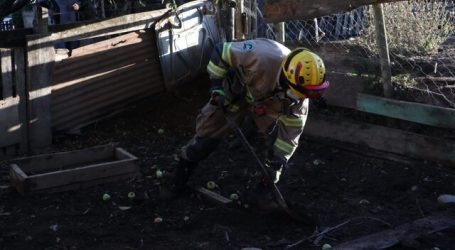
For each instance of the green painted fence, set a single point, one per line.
(409, 111)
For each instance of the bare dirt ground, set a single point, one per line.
(335, 185)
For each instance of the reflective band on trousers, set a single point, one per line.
(291, 122)
(286, 148)
(249, 97)
(233, 108)
(227, 54)
(216, 70)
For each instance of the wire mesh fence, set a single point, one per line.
(420, 35)
(421, 43)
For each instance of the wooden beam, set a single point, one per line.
(381, 138)
(14, 38)
(94, 28)
(17, 177)
(409, 111)
(286, 10)
(213, 196)
(112, 26)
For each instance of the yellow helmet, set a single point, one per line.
(304, 72)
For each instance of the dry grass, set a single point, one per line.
(414, 27)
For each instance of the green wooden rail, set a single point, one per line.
(409, 111)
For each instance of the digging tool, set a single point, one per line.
(300, 217)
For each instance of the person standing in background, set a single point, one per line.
(62, 12)
(68, 13)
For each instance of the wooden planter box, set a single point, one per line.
(72, 170)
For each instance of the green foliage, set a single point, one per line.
(405, 80)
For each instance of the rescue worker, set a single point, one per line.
(263, 79)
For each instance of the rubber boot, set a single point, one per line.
(178, 182)
(264, 197)
(182, 175)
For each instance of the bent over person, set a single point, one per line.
(265, 80)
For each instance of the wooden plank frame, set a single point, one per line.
(72, 170)
(381, 138)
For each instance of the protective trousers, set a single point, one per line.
(211, 126)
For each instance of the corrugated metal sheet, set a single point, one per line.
(103, 78)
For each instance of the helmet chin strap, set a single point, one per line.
(298, 88)
(283, 81)
(291, 95)
(286, 87)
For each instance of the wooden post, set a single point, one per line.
(316, 30)
(383, 47)
(230, 28)
(41, 18)
(253, 31)
(6, 73)
(40, 60)
(102, 9)
(280, 32)
(21, 90)
(239, 27)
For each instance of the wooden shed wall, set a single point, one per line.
(13, 133)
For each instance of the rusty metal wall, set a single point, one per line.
(103, 78)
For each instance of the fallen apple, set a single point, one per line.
(211, 185)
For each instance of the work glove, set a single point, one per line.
(274, 166)
(218, 99)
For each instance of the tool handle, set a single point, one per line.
(245, 142)
(278, 196)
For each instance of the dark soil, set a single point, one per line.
(334, 185)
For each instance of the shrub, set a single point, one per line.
(414, 27)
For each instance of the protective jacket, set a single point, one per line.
(247, 74)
